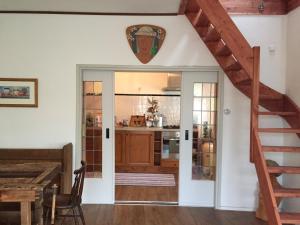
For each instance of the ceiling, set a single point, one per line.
(93, 6)
(140, 7)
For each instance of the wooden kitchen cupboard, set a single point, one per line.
(134, 148)
(120, 148)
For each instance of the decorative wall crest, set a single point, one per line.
(145, 40)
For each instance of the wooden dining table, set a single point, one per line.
(25, 183)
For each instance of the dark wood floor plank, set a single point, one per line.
(142, 193)
(152, 215)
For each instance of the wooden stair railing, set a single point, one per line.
(256, 153)
(235, 55)
(241, 63)
(223, 25)
(265, 182)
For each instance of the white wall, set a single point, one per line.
(293, 55)
(293, 91)
(239, 182)
(267, 32)
(48, 47)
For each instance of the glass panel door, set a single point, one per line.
(97, 135)
(197, 170)
(92, 127)
(204, 131)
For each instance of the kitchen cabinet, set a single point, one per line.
(170, 163)
(139, 148)
(134, 148)
(120, 148)
(157, 147)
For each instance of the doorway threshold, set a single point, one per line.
(158, 203)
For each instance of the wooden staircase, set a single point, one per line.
(241, 63)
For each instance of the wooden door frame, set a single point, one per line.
(154, 68)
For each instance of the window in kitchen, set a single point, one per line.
(204, 131)
(92, 127)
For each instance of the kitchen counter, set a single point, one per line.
(145, 129)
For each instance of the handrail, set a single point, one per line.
(256, 154)
(254, 98)
(229, 33)
(266, 187)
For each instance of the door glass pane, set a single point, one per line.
(198, 89)
(204, 131)
(206, 102)
(197, 103)
(92, 127)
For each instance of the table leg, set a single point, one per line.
(25, 213)
(38, 204)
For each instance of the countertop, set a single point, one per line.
(145, 129)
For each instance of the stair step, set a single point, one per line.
(238, 76)
(201, 20)
(191, 7)
(222, 49)
(191, 16)
(202, 31)
(277, 113)
(279, 130)
(269, 97)
(284, 169)
(280, 149)
(293, 218)
(245, 82)
(229, 63)
(212, 35)
(219, 48)
(234, 67)
(287, 192)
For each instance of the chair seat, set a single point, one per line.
(63, 201)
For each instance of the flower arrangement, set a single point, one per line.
(153, 111)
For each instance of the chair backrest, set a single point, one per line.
(77, 188)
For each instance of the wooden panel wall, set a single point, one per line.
(272, 7)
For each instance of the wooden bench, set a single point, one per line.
(62, 156)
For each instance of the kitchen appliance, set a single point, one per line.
(170, 145)
(173, 83)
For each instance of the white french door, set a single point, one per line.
(98, 135)
(197, 169)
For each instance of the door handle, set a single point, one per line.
(186, 135)
(107, 133)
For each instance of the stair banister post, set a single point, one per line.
(254, 99)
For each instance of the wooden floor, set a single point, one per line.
(147, 193)
(141, 193)
(155, 215)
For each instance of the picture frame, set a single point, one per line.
(18, 92)
(137, 121)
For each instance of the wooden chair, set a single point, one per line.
(69, 202)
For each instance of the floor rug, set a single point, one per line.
(145, 179)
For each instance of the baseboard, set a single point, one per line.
(232, 208)
(188, 204)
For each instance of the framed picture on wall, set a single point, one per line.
(18, 92)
